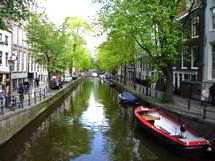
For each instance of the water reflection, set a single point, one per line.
(94, 118)
(91, 125)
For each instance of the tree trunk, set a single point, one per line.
(121, 73)
(49, 79)
(125, 74)
(71, 69)
(134, 78)
(168, 93)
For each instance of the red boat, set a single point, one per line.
(169, 130)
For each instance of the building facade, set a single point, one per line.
(189, 66)
(209, 44)
(20, 49)
(5, 54)
(25, 67)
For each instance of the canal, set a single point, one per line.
(88, 125)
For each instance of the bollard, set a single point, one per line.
(40, 93)
(29, 99)
(13, 103)
(35, 97)
(44, 93)
(188, 104)
(204, 112)
(21, 100)
(2, 106)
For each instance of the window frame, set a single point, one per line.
(1, 56)
(6, 40)
(6, 59)
(213, 64)
(195, 21)
(213, 18)
(192, 60)
(182, 58)
(1, 37)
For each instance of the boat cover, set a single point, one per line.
(128, 97)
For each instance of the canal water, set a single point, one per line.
(88, 125)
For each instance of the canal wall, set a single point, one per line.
(11, 124)
(195, 112)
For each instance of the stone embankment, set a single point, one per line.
(14, 121)
(181, 106)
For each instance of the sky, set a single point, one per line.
(57, 10)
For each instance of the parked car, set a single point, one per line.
(56, 83)
(67, 79)
(74, 77)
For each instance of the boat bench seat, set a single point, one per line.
(150, 117)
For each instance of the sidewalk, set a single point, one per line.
(42, 85)
(182, 106)
(33, 97)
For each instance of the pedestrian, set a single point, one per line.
(21, 94)
(26, 86)
(212, 94)
(1, 91)
(2, 97)
(7, 96)
(204, 97)
(37, 82)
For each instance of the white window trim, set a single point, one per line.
(196, 36)
(182, 61)
(192, 63)
(211, 19)
(1, 53)
(211, 72)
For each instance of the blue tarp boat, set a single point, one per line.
(127, 97)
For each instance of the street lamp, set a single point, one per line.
(11, 61)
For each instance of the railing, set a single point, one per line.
(17, 101)
(205, 111)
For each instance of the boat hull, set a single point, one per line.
(169, 142)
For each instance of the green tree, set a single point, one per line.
(15, 10)
(118, 50)
(48, 44)
(153, 25)
(77, 28)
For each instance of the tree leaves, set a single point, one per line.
(15, 10)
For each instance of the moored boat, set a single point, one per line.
(127, 98)
(169, 130)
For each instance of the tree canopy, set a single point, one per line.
(53, 46)
(153, 25)
(118, 49)
(15, 10)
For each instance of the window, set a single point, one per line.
(0, 37)
(195, 27)
(185, 58)
(213, 61)
(0, 57)
(18, 61)
(193, 77)
(22, 58)
(6, 59)
(213, 17)
(186, 77)
(6, 40)
(194, 57)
